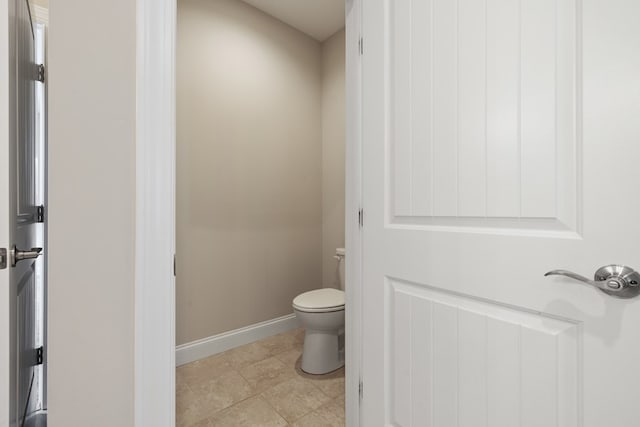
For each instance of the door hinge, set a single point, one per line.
(3, 258)
(41, 73)
(40, 214)
(361, 218)
(361, 46)
(360, 388)
(39, 355)
(174, 265)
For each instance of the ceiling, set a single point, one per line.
(317, 18)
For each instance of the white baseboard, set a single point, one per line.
(196, 350)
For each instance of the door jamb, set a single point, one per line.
(353, 204)
(154, 347)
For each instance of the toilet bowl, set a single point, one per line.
(321, 313)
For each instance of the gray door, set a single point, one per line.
(26, 237)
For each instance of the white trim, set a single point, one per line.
(196, 350)
(155, 215)
(353, 235)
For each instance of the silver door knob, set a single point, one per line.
(18, 255)
(616, 280)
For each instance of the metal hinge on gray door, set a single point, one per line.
(360, 388)
(41, 72)
(361, 218)
(40, 214)
(39, 355)
(3, 258)
(360, 46)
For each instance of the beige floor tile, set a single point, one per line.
(291, 357)
(221, 392)
(181, 384)
(188, 409)
(203, 423)
(189, 372)
(295, 398)
(203, 370)
(331, 387)
(333, 412)
(266, 374)
(280, 343)
(331, 384)
(312, 420)
(245, 355)
(249, 413)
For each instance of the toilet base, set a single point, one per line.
(322, 352)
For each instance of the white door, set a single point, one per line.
(501, 140)
(19, 380)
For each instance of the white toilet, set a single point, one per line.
(321, 313)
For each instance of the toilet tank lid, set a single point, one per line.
(320, 298)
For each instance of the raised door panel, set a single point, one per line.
(26, 72)
(484, 113)
(459, 361)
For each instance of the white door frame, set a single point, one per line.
(155, 214)
(353, 204)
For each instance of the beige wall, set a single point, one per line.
(91, 212)
(249, 214)
(333, 155)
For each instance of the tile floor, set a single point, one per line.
(259, 384)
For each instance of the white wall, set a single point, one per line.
(249, 141)
(333, 154)
(91, 78)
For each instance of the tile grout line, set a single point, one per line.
(277, 412)
(273, 408)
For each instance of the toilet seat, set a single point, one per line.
(320, 301)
